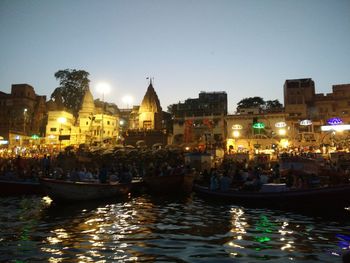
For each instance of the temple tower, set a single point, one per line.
(150, 111)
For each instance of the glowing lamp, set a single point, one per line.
(282, 132)
(236, 134)
(345, 127)
(334, 121)
(280, 124)
(305, 123)
(237, 127)
(258, 125)
(62, 120)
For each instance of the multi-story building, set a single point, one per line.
(207, 103)
(302, 103)
(22, 114)
(299, 97)
(200, 122)
(95, 123)
(256, 131)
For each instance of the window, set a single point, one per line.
(87, 123)
(147, 125)
(53, 129)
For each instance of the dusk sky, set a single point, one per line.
(246, 48)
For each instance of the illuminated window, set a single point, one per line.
(147, 125)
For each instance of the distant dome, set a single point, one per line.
(150, 102)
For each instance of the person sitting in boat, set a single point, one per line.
(74, 175)
(125, 176)
(214, 180)
(205, 177)
(46, 164)
(253, 181)
(276, 173)
(225, 182)
(58, 172)
(102, 175)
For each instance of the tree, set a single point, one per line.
(273, 105)
(251, 102)
(73, 84)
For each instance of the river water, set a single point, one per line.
(146, 229)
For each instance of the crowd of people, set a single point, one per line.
(120, 167)
(123, 166)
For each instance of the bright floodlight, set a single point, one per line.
(236, 134)
(282, 132)
(127, 99)
(62, 120)
(103, 87)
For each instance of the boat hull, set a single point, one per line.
(83, 191)
(17, 188)
(172, 184)
(317, 197)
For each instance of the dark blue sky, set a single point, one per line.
(246, 48)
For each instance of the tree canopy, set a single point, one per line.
(71, 90)
(251, 102)
(258, 102)
(273, 105)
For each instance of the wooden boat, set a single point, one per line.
(20, 187)
(322, 197)
(169, 184)
(81, 191)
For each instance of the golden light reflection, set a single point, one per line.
(52, 251)
(231, 244)
(286, 246)
(285, 232)
(238, 226)
(61, 234)
(46, 200)
(55, 260)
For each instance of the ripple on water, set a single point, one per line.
(185, 230)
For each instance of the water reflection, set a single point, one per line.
(169, 230)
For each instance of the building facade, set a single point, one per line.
(22, 115)
(200, 123)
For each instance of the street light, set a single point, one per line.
(24, 119)
(61, 120)
(103, 88)
(236, 134)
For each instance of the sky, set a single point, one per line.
(246, 48)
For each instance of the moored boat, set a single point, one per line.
(82, 191)
(11, 187)
(170, 184)
(331, 196)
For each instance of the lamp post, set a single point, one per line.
(103, 88)
(24, 119)
(61, 120)
(236, 134)
(236, 128)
